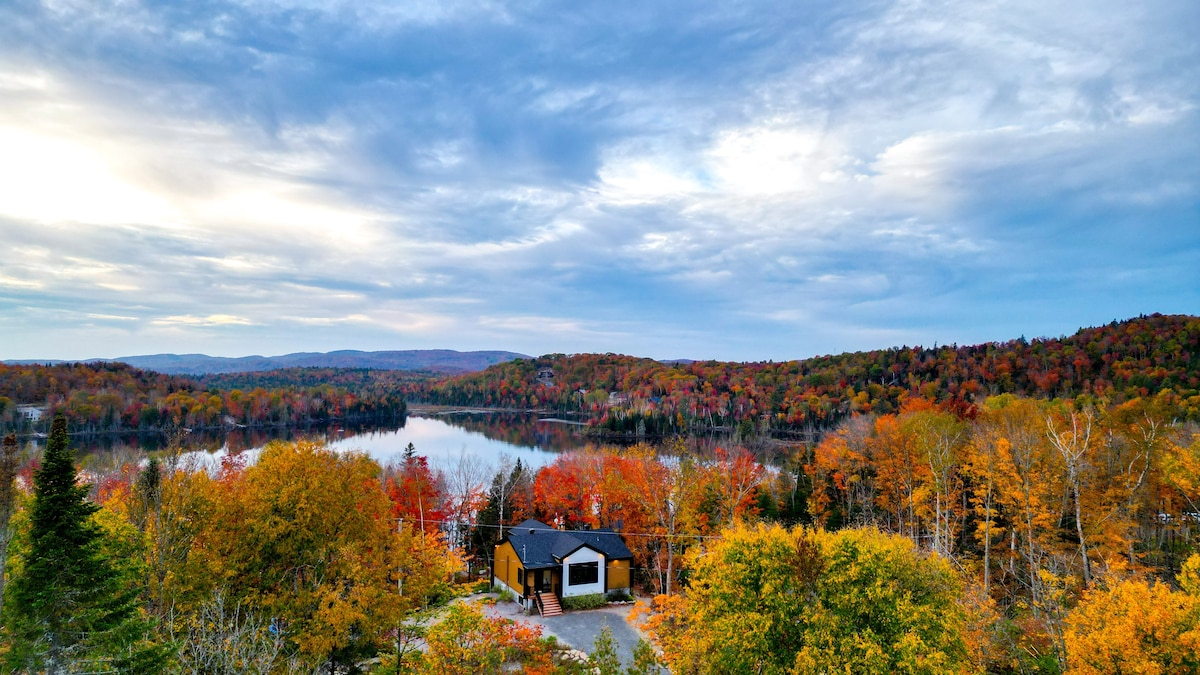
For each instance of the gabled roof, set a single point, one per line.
(539, 546)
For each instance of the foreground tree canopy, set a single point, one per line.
(1002, 535)
(72, 601)
(769, 600)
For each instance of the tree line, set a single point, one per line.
(1117, 362)
(111, 397)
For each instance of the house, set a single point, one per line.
(32, 413)
(542, 565)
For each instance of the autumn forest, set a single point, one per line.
(1031, 506)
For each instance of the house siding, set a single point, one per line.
(617, 574)
(505, 566)
(583, 555)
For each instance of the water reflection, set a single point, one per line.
(441, 437)
(519, 429)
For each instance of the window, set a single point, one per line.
(521, 577)
(583, 573)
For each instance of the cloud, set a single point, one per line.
(757, 180)
(210, 320)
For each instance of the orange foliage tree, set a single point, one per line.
(305, 535)
(1134, 627)
(466, 642)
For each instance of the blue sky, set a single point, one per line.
(743, 181)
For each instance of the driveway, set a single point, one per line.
(579, 628)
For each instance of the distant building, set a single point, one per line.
(32, 413)
(545, 377)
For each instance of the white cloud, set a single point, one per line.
(210, 320)
(777, 158)
(631, 180)
(328, 320)
(13, 282)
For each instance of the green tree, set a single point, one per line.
(883, 607)
(604, 659)
(70, 606)
(9, 456)
(645, 661)
(768, 600)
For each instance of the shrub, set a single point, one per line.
(507, 595)
(620, 595)
(590, 601)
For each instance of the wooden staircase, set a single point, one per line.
(548, 604)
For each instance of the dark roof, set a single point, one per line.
(539, 546)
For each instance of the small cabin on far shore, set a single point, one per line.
(32, 413)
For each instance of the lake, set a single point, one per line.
(442, 437)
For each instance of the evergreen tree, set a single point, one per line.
(497, 515)
(9, 458)
(69, 606)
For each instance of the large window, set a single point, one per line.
(579, 574)
(521, 577)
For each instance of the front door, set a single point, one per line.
(542, 581)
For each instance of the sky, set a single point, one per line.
(730, 180)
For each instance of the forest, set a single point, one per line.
(629, 398)
(1017, 536)
(112, 397)
(1117, 362)
(1030, 523)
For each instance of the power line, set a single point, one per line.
(551, 529)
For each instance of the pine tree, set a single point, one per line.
(9, 458)
(69, 605)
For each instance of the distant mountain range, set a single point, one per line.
(439, 360)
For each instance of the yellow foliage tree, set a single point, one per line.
(466, 642)
(305, 535)
(769, 600)
(1134, 627)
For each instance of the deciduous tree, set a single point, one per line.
(305, 535)
(768, 600)
(1134, 627)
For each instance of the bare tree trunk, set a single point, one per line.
(670, 564)
(1072, 445)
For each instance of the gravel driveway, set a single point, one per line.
(579, 628)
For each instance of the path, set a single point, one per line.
(579, 628)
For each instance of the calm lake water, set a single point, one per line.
(443, 438)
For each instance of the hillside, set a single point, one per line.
(435, 360)
(1118, 361)
(108, 397)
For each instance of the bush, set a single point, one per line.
(507, 595)
(620, 595)
(591, 601)
(441, 594)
